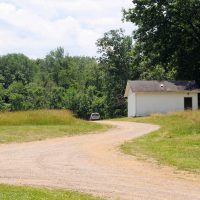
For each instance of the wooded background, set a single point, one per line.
(164, 46)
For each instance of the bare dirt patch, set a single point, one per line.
(94, 164)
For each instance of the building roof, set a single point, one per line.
(161, 86)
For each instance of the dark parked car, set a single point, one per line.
(95, 116)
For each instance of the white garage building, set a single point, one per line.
(147, 97)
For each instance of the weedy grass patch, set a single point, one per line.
(176, 143)
(27, 193)
(26, 126)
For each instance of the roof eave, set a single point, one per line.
(171, 91)
(127, 89)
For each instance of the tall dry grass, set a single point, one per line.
(26, 126)
(37, 117)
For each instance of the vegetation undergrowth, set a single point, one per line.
(176, 143)
(28, 193)
(25, 126)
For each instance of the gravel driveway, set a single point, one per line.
(94, 164)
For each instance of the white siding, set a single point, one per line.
(147, 103)
(131, 104)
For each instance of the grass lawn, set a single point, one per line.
(177, 143)
(42, 124)
(27, 193)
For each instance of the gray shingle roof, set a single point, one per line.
(162, 86)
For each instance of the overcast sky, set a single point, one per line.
(34, 27)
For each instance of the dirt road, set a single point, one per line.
(94, 164)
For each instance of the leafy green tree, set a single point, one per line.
(16, 68)
(72, 99)
(3, 105)
(116, 62)
(57, 98)
(17, 96)
(37, 97)
(167, 36)
(54, 68)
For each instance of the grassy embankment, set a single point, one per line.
(176, 143)
(41, 124)
(27, 193)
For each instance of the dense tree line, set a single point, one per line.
(56, 82)
(81, 84)
(165, 45)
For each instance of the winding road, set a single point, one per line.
(94, 164)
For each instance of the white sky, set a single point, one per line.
(34, 27)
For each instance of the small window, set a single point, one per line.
(188, 103)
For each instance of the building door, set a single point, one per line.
(188, 103)
(199, 100)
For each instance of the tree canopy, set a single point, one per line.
(116, 59)
(167, 37)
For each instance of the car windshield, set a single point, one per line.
(95, 115)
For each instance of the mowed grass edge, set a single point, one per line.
(176, 143)
(26, 126)
(8, 192)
